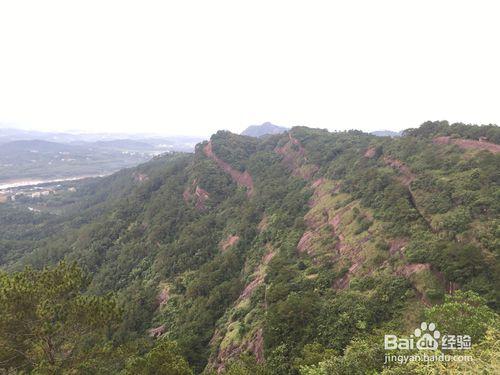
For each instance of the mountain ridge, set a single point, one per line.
(333, 225)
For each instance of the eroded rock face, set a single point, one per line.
(407, 176)
(140, 177)
(263, 224)
(163, 296)
(324, 226)
(253, 343)
(157, 332)
(241, 178)
(305, 242)
(294, 157)
(199, 196)
(255, 346)
(469, 144)
(258, 279)
(229, 242)
(369, 153)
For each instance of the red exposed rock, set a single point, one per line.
(336, 221)
(370, 153)
(163, 296)
(295, 158)
(396, 246)
(482, 144)
(241, 178)
(343, 282)
(256, 346)
(305, 242)
(140, 177)
(354, 254)
(157, 332)
(259, 279)
(319, 193)
(200, 196)
(317, 183)
(215, 337)
(247, 292)
(230, 241)
(407, 174)
(316, 222)
(267, 258)
(262, 226)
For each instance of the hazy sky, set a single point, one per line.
(191, 67)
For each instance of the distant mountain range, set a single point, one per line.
(268, 128)
(44, 155)
(35, 146)
(264, 129)
(120, 140)
(386, 133)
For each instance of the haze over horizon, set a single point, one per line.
(195, 68)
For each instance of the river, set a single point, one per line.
(9, 184)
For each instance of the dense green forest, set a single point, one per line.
(288, 254)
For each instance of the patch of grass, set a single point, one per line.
(232, 336)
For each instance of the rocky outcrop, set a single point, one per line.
(263, 224)
(294, 157)
(196, 194)
(255, 346)
(230, 241)
(163, 296)
(157, 332)
(252, 342)
(260, 275)
(369, 153)
(304, 245)
(140, 177)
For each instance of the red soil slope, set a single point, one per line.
(241, 178)
(468, 144)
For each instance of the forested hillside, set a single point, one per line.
(289, 254)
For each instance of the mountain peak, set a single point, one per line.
(265, 129)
